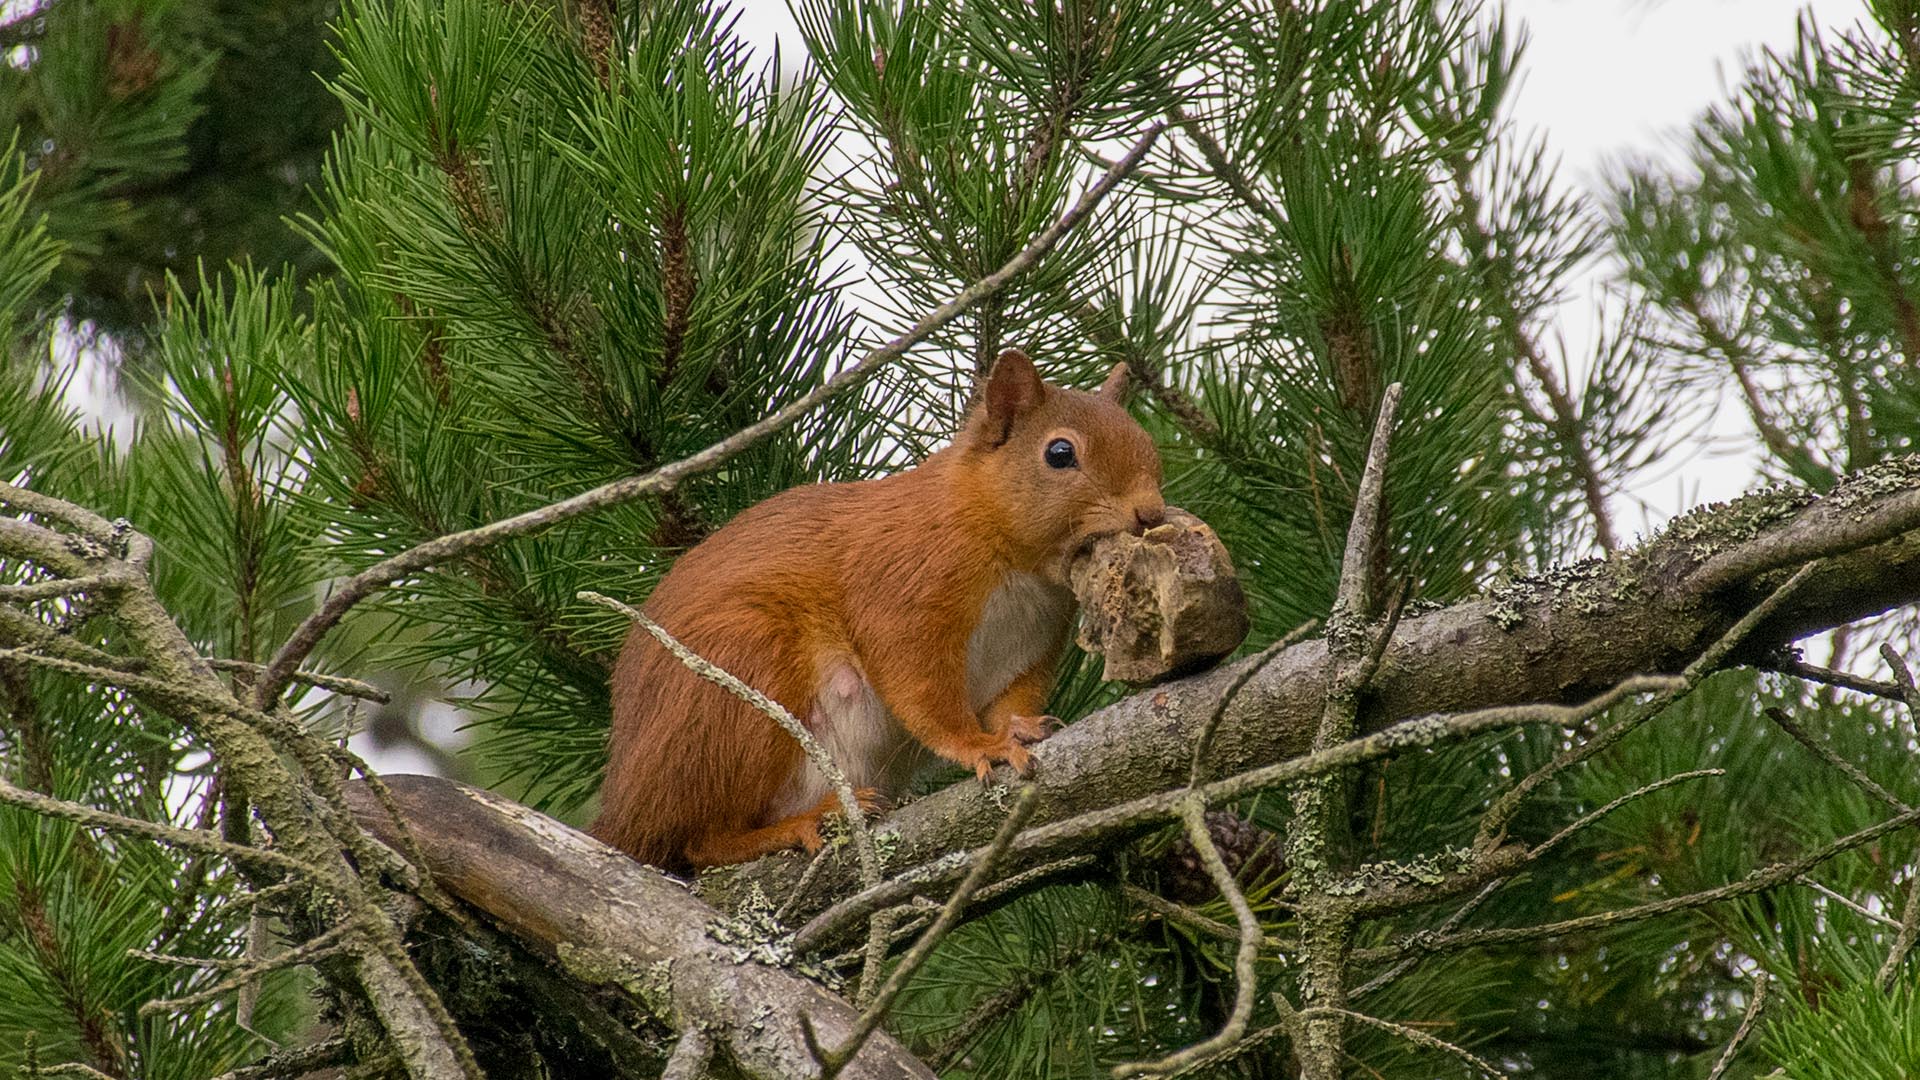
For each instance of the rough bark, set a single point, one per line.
(608, 921)
(1561, 636)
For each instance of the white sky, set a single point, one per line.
(1614, 79)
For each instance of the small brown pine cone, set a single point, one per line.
(1252, 855)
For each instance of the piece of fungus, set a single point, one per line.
(1159, 605)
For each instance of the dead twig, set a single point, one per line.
(1493, 824)
(1757, 1002)
(1758, 881)
(832, 1061)
(1193, 814)
(1073, 835)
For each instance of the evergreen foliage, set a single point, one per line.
(503, 253)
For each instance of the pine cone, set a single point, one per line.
(1252, 855)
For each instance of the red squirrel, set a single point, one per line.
(929, 607)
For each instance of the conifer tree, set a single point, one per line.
(450, 262)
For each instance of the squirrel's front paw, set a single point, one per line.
(1008, 749)
(1031, 729)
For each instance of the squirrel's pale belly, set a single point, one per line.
(1022, 620)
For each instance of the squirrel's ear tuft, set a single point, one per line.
(1116, 385)
(1013, 389)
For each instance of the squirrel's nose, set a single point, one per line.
(1147, 517)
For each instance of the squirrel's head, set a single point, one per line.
(1063, 466)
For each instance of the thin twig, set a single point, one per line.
(337, 684)
(1759, 880)
(1193, 813)
(88, 523)
(799, 890)
(383, 573)
(816, 753)
(1785, 721)
(189, 839)
(1072, 835)
(832, 1061)
(1411, 1034)
(1754, 1005)
(1186, 916)
(53, 588)
(296, 1061)
(1850, 904)
(1903, 938)
(306, 952)
(1406, 963)
(1587, 819)
(1800, 669)
(1203, 740)
(1909, 932)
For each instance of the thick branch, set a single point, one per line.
(610, 921)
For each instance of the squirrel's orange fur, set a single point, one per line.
(924, 609)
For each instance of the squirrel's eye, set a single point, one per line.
(1060, 455)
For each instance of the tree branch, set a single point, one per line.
(611, 922)
(1560, 636)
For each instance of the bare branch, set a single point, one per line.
(1203, 740)
(1757, 1002)
(1101, 826)
(832, 1061)
(1850, 904)
(86, 522)
(326, 944)
(1800, 669)
(1562, 636)
(1587, 819)
(1186, 916)
(1493, 824)
(1825, 753)
(1758, 881)
(1412, 1035)
(1904, 938)
(1193, 813)
(200, 840)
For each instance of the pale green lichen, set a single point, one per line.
(1874, 482)
(1708, 530)
(886, 845)
(752, 934)
(1592, 585)
(651, 984)
(1585, 586)
(1423, 731)
(1432, 868)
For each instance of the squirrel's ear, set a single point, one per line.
(1013, 388)
(1116, 384)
